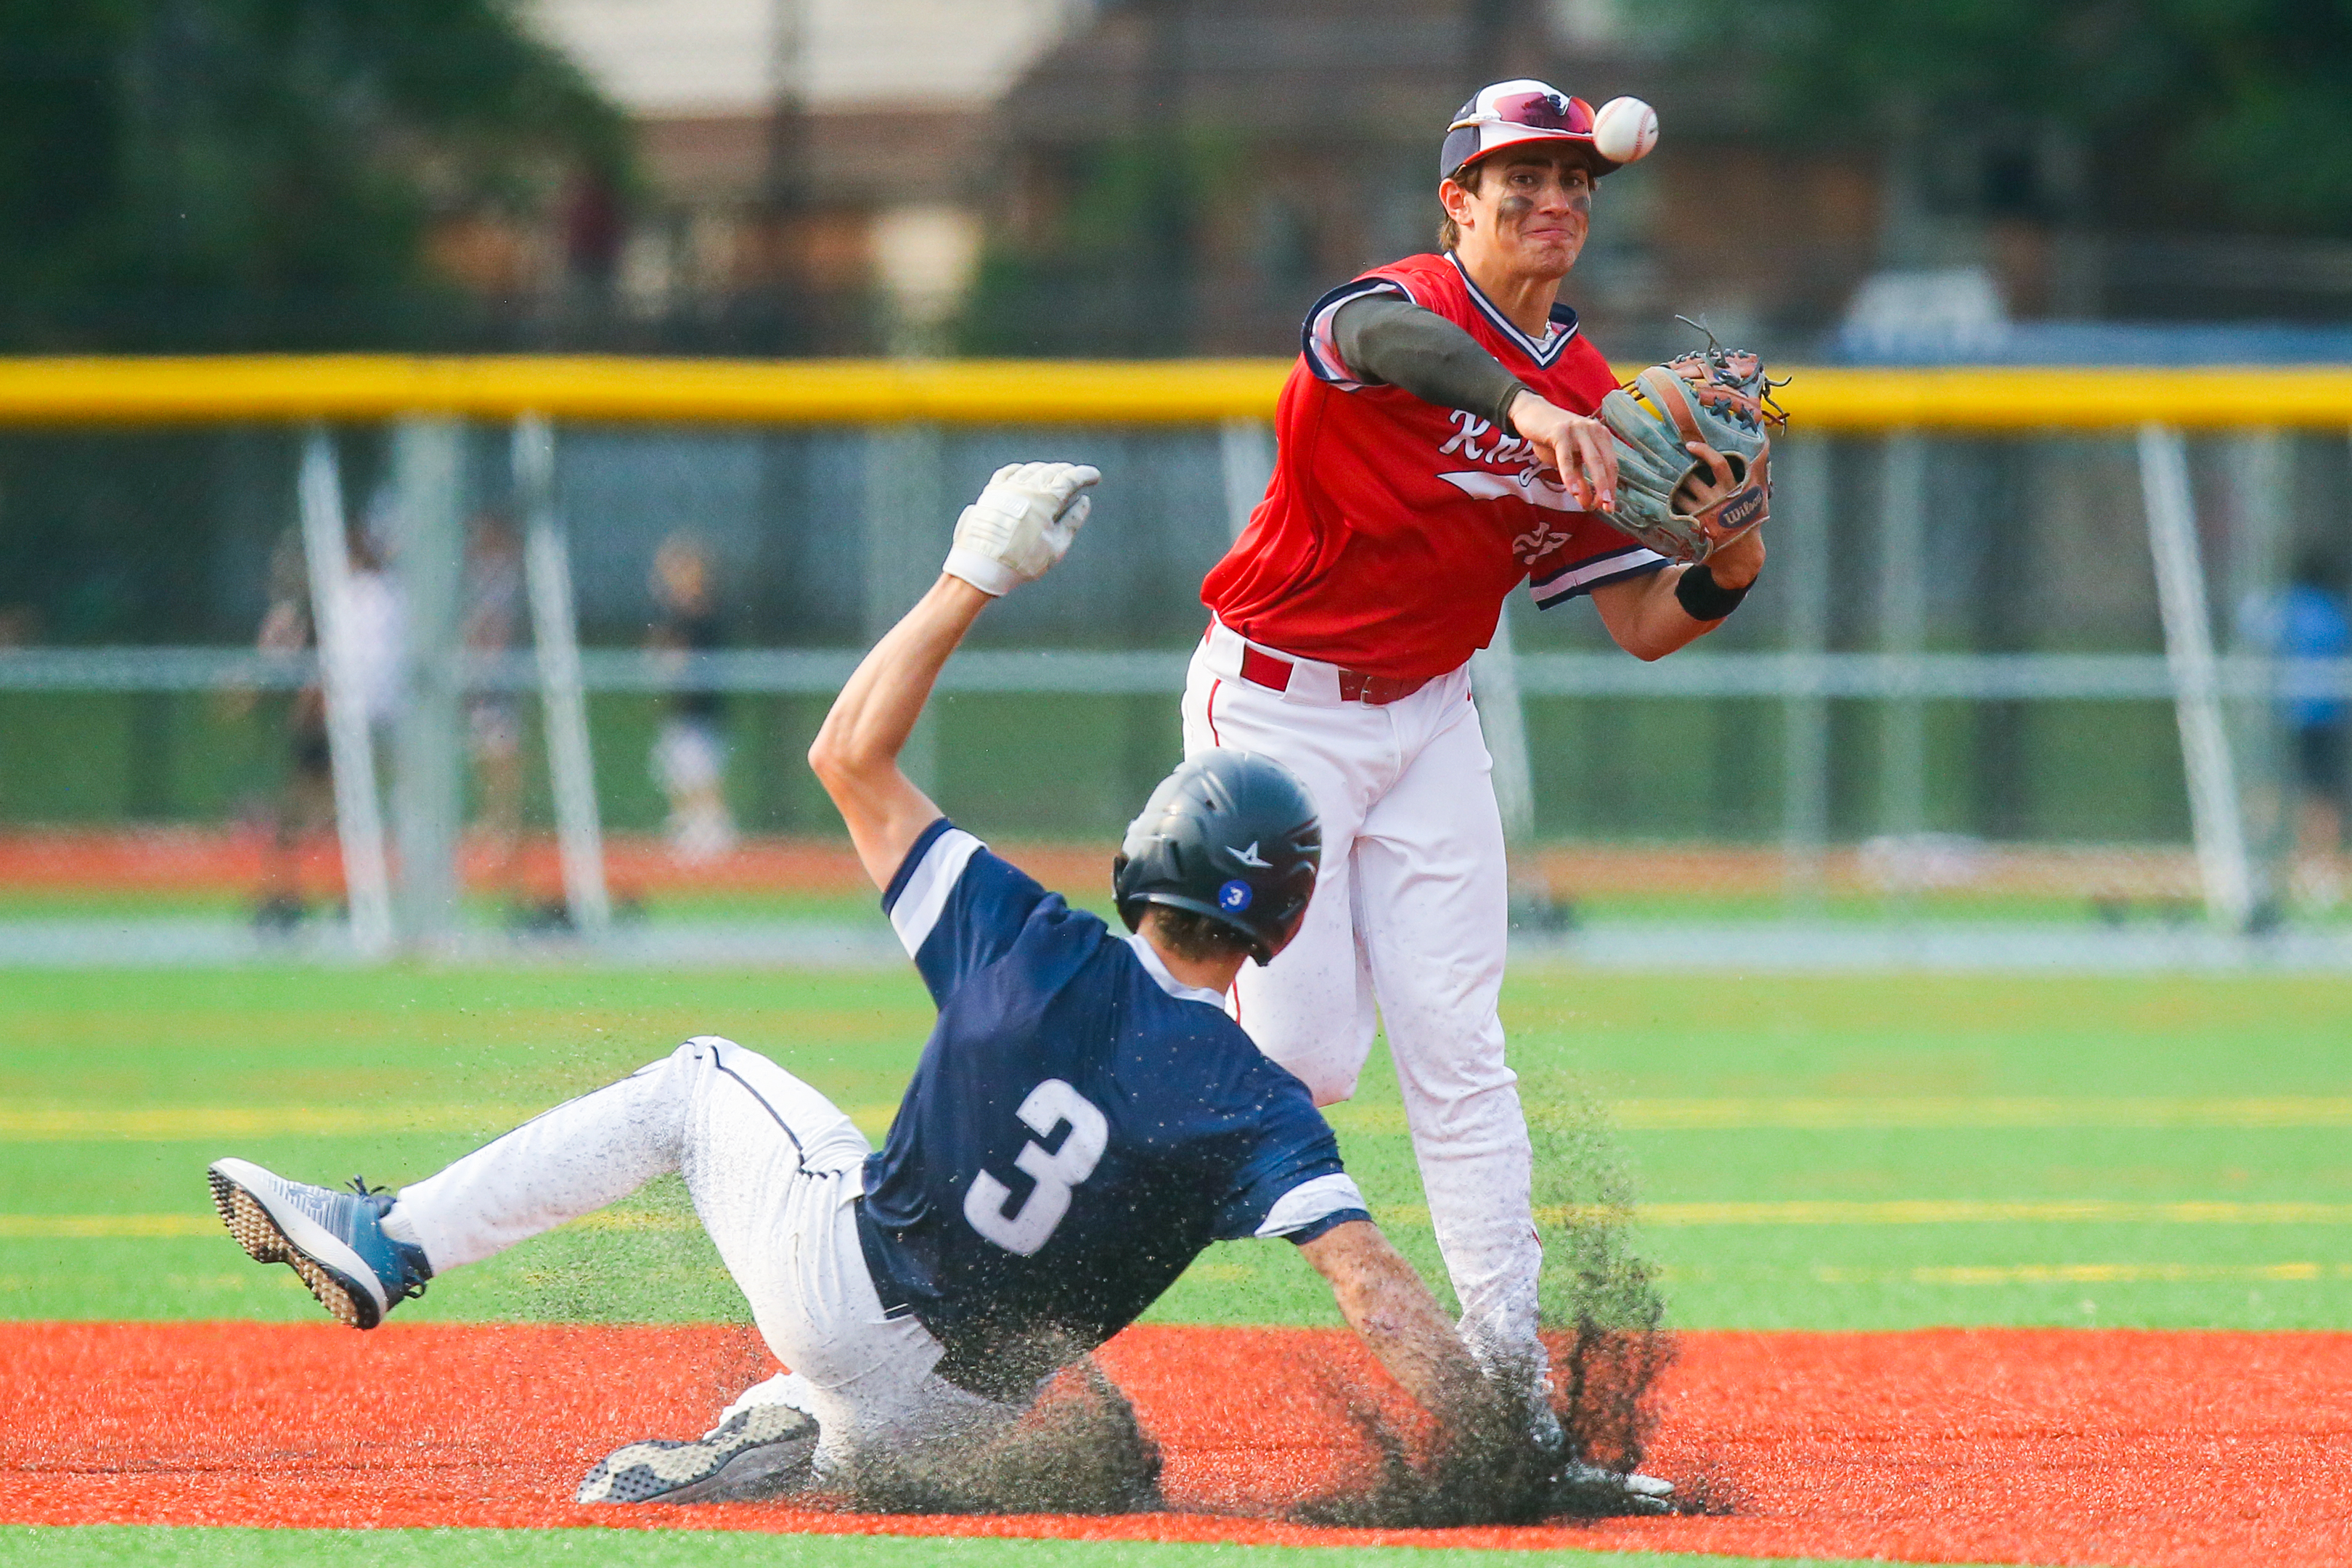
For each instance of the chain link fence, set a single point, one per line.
(2026, 688)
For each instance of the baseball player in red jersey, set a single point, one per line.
(1435, 449)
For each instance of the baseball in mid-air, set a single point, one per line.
(1624, 129)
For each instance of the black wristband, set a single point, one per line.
(1703, 598)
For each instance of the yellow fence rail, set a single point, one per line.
(238, 388)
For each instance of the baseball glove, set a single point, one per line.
(1680, 504)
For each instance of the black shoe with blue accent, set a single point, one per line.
(764, 1452)
(334, 1240)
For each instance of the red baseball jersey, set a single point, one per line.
(1394, 529)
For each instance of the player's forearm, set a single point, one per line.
(856, 754)
(1383, 339)
(870, 721)
(1645, 619)
(1651, 616)
(1400, 1322)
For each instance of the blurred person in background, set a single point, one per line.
(493, 609)
(690, 754)
(305, 807)
(2312, 624)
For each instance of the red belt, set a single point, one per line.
(1262, 668)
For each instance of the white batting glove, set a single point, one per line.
(1021, 525)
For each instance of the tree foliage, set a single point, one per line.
(1115, 267)
(2198, 114)
(263, 172)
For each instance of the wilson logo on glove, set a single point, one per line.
(1743, 511)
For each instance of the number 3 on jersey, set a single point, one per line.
(1030, 1225)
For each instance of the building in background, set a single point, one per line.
(1935, 180)
(1128, 177)
(1187, 176)
(814, 172)
(1174, 176)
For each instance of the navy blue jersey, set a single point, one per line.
(1081, 1125)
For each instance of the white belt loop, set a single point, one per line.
(1312, 681)
(1222, 646)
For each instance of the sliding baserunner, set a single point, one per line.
(1083, 1121)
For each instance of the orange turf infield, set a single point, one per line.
(231, 860)
(2036, 1444)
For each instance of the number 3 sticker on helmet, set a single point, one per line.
(1030, 1225)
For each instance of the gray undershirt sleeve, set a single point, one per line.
(1386, 339)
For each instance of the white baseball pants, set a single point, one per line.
(1409, 926)
(773, 1167)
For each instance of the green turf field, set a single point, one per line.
(1870, 1151)
(1967, 908)
(121, 1546)
(1874, 1151)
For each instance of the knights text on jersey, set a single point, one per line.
(1080, 1126)
(1394, 529)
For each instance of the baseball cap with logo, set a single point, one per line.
(1510, 113)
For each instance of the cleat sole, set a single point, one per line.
(769, 1455)
(252, 1227)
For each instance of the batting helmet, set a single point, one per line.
(1230, 835)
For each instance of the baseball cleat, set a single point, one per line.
(334, 1240)
(754, 1452)
(1591, 1491)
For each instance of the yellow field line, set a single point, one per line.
(1897, 1212)
(635, 1219)
(54, 1124)
(1892, 1114)
(1932, 1211)
(1959, 1113)
(2084, 1274)
(25, 1124)
(1980, 1211)
(105, 1226)
(148, 1226)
